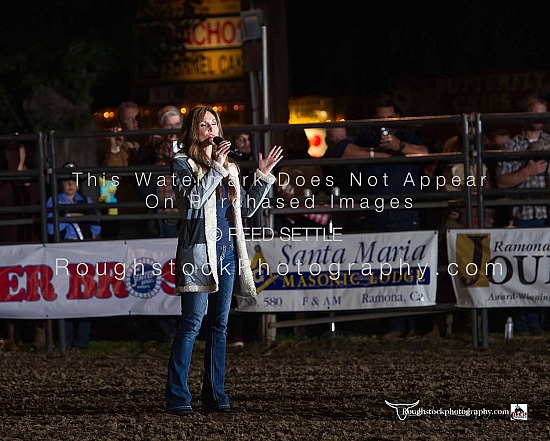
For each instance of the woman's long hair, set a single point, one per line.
(188, 139)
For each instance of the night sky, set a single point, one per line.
(336, 51)
(349, 51)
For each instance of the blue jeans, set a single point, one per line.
(168, 228)
(403, 324)
(527, 318)
(194, 305)
(77, 333)
(530, 223)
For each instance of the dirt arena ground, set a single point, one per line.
(327, 388)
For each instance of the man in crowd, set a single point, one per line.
(527, 173)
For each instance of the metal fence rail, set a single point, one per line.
(48, 171)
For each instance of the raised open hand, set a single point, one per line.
(271, 160)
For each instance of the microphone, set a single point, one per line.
(218, 139)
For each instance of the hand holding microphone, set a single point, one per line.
(218, 139)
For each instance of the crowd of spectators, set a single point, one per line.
(388, 139)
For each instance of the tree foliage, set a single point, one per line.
(57, 54)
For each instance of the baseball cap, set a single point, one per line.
(69, 165)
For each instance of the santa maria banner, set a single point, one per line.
(493, 268)
(343, 272)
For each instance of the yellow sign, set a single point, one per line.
(205, 65)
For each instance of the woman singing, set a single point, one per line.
(211, 260)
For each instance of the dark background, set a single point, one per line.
(347, 50)
(343, 48)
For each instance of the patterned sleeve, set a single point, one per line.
(251, 200)
(510, 165)
(191, 188)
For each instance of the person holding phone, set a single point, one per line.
(384, 142)
(388, 140)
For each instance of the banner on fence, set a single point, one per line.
(88, 279)
(136, 277)
(354, 272)
(494, 268)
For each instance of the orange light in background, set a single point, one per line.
(317, 144)
(311, 109)
(233, 114)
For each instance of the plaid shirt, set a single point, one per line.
(521, 143)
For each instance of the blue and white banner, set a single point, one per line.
(345, 272)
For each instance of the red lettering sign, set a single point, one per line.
(37, 284)
(81, 281)
(9, 281)
(111, 280)
(169, 277)
(214, 33)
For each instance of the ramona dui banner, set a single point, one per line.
(136, 277)
(500, 267)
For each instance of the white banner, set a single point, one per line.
(88, 279)
(494, 268)
(349, 272)
(136, 277)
